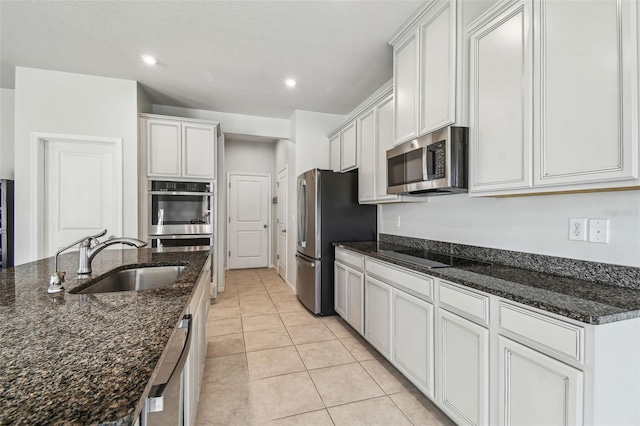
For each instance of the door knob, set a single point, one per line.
(264, 226)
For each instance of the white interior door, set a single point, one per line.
(248, 233)
(281, 263)
(82, 191)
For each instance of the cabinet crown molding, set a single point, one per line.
(183, 119)
(384, 91)
(411, 24)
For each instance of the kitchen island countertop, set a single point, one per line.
(85, 358)
(581, 300)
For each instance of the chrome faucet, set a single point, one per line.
(86, 255)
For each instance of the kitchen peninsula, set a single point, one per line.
(88, 358)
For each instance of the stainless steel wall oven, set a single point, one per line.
(180, 214)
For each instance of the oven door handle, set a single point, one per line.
(155, 400)
(178, 236)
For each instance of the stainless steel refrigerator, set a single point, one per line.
(328, 212)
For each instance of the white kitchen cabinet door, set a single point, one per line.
(163, 148)
(384, 142)
(348, 148)
(340, 290)
(198, 151)
(377, 311)
(355, 300)
(406, 86)
(463, 368)
(367, 144)
(588, 95)
(535, 389)
(334, 147)
(413, 339)
(501, 93)
(438, 67)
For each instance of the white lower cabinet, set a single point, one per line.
(535, 389)
(349, 292)
(463, 369)
(194, 367)
(485, 360)
(377, 314)
(412, 336)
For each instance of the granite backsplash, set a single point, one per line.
(604, 273)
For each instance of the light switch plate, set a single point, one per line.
(599, 231)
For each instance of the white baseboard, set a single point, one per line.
(293, 289)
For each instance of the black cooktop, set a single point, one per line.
(429, 259)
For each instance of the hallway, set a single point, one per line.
(269, 361)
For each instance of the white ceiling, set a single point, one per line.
(230, 56)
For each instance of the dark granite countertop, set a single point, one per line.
(85, 359)
(581, 300)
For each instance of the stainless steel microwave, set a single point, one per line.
(436, 163)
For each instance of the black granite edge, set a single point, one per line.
(602, 273)
(558, 303)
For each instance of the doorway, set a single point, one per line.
(281, 258)
(248, 204)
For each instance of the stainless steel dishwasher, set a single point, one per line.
(165, 403)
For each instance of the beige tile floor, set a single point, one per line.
(271, 362)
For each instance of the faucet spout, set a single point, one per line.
(87, 253)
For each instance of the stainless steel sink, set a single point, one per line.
(137, 279)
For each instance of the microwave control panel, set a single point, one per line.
(437, 157)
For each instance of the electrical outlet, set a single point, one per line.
(578, 229)
(599, 231)
(397, 222)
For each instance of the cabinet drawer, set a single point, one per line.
(348, 258)
(467, 303)
(421, 286)
(540, 331)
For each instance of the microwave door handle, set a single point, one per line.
(425, 170)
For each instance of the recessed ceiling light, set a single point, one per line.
(149, 60)
(290, 82)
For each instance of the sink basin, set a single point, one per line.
(135, 280)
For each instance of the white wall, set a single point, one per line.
(65, 103)
(7, 119)
(309, 130)
(536, 224)
(276, 128)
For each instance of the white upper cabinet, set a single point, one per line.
(405, 82)
(501, 95)
(586, 57)
(179, 149)
(375, 137)
(334, 147)
(343, 147)
(438, 67)
(198, 151)
(384, 142)
(348, 148)
(163, 148)
(425, 74)
(553, 97)
(366, 143)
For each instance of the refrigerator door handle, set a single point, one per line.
(302, 259)
(303, 214)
